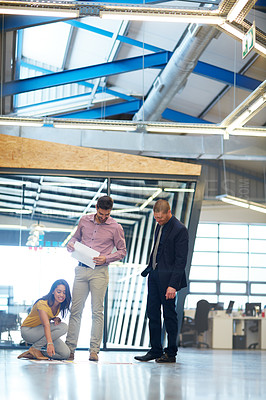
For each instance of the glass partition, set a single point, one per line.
(38, 216)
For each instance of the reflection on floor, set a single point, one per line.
(197, 374)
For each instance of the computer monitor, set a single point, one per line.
(250, 308)
(217, 306)
(230, 307)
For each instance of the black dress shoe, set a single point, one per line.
(166, 359)
(146, 357)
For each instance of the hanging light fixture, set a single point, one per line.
(237, 201)
(36, 235)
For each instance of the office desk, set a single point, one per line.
(223, 327)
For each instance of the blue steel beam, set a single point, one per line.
(86, 73)
(108, 111)
(110, 34)
(225, 76)
(86, 84)
(16, 22)
(260, 4)
(121, 66)
(176, 116)
(130, 107)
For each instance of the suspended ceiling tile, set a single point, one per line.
(228, 103)
(161, 34)
(135, 83)
(258, 69)
(196, 95)
(225, 52)
(91, 48)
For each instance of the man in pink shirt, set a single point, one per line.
(102, 233)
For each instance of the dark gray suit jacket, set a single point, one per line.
(173, 256)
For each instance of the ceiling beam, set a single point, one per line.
(159, 59)
(226, 76)
(108, 111)
(86, 73)
(110, 34)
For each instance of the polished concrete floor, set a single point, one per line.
(198, 374)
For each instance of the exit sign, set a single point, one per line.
(248, 41)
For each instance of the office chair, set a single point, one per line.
(196, 326)
(8, 323)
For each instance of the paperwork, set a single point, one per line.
(84, 254)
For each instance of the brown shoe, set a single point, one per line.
(93, 356)
(72, 356)
(37, 354)
(27, 355)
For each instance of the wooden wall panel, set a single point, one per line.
(17, 152)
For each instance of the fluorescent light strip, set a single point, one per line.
(13, 183)
(149, 200)
(69, 236)
(249, 132)
(60, 212)
(236, 9)
(236, 201)
(261, 49)
(257, 104)
(64, 184)
(15, 210)
(126, 210)
(160, 17)
(20, 227)
(197, 129)
(257, 208)
(96, 126)
(21, 122)
(39, 11)
(178, 190)
(247, 114)
(239, 122)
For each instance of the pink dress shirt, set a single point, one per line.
(101, 237)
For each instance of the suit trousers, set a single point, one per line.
(36, 337)
(156, 300)
(94, 281)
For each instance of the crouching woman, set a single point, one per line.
(43, 328)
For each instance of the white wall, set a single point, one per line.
(213, 211)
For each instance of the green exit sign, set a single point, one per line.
(248, 41)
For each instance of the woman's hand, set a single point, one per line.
(57, 320)
(50, 349)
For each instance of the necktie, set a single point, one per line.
(156, 247)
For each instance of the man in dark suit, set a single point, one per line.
(166, 270)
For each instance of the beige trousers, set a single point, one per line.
(94, 281)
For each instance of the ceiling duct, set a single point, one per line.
(174, 76)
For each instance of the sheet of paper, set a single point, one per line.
(84, 254)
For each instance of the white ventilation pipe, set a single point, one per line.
(174, 76)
